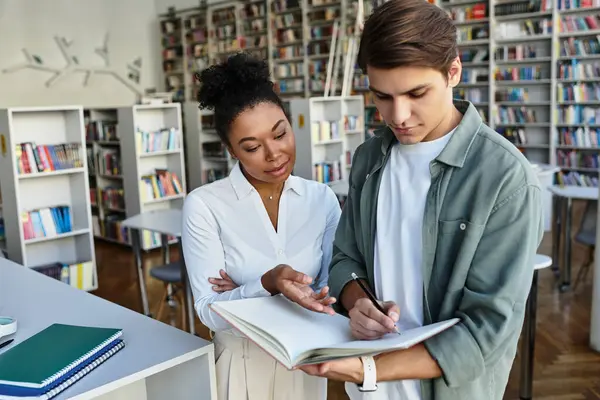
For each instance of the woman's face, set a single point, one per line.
(261, 138)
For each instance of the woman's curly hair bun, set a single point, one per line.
(224, 83)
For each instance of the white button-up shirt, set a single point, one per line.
(226, 226)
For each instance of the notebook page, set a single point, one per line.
(296, 328)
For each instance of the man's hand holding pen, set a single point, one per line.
(368, 323)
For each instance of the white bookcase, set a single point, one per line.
(151, 139)
(56, 176)
(328, 130)
(207, 158)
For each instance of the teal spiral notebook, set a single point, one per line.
(54, 352)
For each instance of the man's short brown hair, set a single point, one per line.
(403, 33)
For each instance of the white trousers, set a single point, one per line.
(246, 372)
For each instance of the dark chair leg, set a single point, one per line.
(528, 342)
(585, 268)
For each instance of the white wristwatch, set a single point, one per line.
(8, 327)
(370, 375)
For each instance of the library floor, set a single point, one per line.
(565, 367)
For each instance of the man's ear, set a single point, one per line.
(455, 72)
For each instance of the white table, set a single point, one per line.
(562, 212)
(157, 362)
(528, 341)
(166, 222)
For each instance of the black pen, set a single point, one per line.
(372, 298)
(6, 343)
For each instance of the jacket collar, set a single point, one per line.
(242, 187)
(455, 152)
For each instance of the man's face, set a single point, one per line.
(414, 101)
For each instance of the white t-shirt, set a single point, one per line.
(398, 247)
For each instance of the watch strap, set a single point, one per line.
(369, 375)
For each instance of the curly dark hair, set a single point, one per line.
(233, 86)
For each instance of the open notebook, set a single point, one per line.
(296, 336)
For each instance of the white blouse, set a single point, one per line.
(226, 226)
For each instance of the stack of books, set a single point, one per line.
(52, 360)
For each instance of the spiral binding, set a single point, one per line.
(52, 393)
(81, 359)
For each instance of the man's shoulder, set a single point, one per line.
(494, 157)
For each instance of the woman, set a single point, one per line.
(259, 232)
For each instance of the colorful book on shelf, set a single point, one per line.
(32, 158)
(162, 184)
(46, 222)
(78, 274)
(50, 361)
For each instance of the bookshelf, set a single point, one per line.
(542, 59)
(107, 192)
(45, 191)
(207, 158)
(328, 130)
(153, 162)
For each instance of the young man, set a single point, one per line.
(443, 219)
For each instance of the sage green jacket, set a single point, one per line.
(481, 229)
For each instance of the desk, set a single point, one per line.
(166, 222)
(562, 212)
(157, 362)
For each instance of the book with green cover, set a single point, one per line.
(48, 355)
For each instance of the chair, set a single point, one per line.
(170, 275)
(586, 235)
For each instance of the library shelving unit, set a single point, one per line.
(153, 161)
(224, 30)
(45, 192)
(107, 196)
(207, 158)
(577, 95)
(254, 32)
(173, 56)
(328, 130)
(533, 69)
(196, 55)
(288, 43)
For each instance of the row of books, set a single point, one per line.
(33, 158)
(326, 172)
(578, 92)
(100, 130)
(522, 7)
(46, 222)
(533, 72)
(576, 159)
(579, 137)
(162, 140)
(512, 94)
(79, 275)
(577, 70)
(574, 178)
(579, 23)
(113, 198)
(111, 228)
(577, 4)
(162, 183)
(109, 162)
(511, 115)
(578, 114)
(323, 131)
(580, 47)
